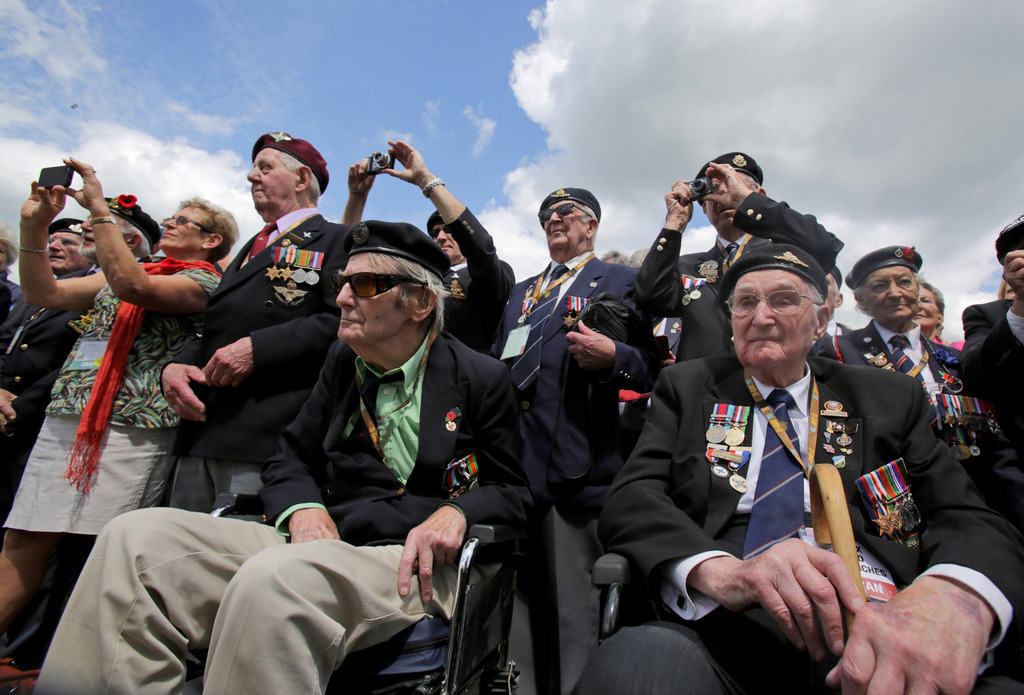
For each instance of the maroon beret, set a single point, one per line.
(300, 149)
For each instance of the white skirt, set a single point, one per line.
(134, 466)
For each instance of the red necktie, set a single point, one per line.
(260, 242)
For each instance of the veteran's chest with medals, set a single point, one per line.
(294, 271)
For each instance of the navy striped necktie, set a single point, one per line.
(778, 510)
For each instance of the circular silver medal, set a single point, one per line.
(299, 275)
(738, 483)
(975, 450)
(715, 434)
(909, 515)
(734, 437)
(958, 454)
(695, 294)
(312, 277)
(720, 471)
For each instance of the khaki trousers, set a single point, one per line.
(277, 617)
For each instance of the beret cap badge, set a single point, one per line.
(360, 233)
(739, 160)
(560, 193)
(789, 256)
(280, 137)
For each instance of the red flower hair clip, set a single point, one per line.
(127, 201)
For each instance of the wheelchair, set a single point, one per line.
(435, 656)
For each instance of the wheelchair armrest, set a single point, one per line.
(496, 533)
(237, 504)
(610, 569)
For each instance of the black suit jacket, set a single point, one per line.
(290, 338)
(993, 361)
(667, 505)
(705, 328)
(366, 500)
(478, 292)
(570, 416)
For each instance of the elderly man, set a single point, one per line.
(886, 286)
(567, 384)
(478, 283)
(716, 528)
(266, 331)
(407, 438)
(745, 219)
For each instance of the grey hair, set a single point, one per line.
(293, 164)
(940, 301)
(407, 292)
(144, 248)
(9, 238)
(615, 256)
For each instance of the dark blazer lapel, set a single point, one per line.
(585, 285)
(722, 498)
(262, 260)
(440, 397)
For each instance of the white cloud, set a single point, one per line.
(484, 128)
(892, 123)
(432, 117)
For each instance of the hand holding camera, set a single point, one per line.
(678, 204)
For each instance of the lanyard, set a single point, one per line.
(726, 263)
(534, 293)
(921, 363)
(368, 421)
(780, 429)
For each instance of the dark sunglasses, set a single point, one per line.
(563, 210)
(371, 284)
(181, 221)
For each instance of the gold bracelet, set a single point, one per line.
(101, 220)
(25, 249)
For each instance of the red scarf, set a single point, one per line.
(84, 454)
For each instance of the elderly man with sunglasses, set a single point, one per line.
(567, 384)
(407, 439)
(266, 331)
(712, 510)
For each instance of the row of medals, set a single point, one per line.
(973, 424)
(299, 275)
(733, 436)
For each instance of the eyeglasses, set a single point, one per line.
(181, 221)
(371, 284)
(780, 301)
(563, 210)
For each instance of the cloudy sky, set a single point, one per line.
(891, 122)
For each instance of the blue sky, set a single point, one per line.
(891, 122)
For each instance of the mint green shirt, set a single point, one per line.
(397, 425)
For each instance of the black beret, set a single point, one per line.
(1010, 238)
(906, 256)
(580, 195)
(738, 161)
(300, 149)
(837, 275)
(433, 221)
(66, 224)
(127, 206)
(775, 257)
(397, 239)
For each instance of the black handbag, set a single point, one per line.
(609, 316)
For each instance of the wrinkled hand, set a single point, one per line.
(359, 182)
(90, 196)
(731, 187)
(7, 414)
(592, 350)
(415, 170)
(433, 543)
(231, 365)
(929, 638)
(175, 380)
(312, 524)
(1013, 273)
(668, 361)
(680, 209)
(791, 580)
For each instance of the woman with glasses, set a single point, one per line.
(105, 446)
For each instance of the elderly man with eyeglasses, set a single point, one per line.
(712, 510)
(567, 384)
(408, 438)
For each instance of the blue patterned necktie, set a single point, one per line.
(729, 255)
(778, 510)
(899, 343)
(524, 369)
